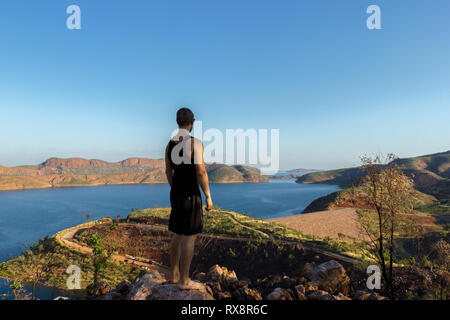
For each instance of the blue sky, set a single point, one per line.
(312, 69)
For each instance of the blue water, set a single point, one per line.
(26, 216)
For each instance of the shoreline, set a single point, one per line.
(119, 184)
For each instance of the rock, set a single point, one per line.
(310, 288)
(287, 282)
(201, 276)
(302, 280)
(331, 276)
(364, 295)
(226, 278)
(172, 292)
(319, 295)
(267, 283)
(100, 289)
(246, 294)
(124, 287)
(340, 296)
(308, 269)
(361, 295)
(210, 291)
(280, 294)
(214, 274)
(144, 286)
(223, 296)
(300, 292)
(215, 287)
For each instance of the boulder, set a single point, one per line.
(215, 274)
(124, 287)
(280, 294)
(143, 288)
(331, 276)
(172, 292)
(364, 295)
(223, 295)
(308, 269)
(287, 282)
(215, 287)
(310, 288)
(100, 289)
(320, 295)
(226, 278)
(246, 294)
(340, 296)
(201, 276)
(300, 292)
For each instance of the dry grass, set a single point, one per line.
(330, 223)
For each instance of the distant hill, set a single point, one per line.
(75, 172)
(431, 174)
(294, 173)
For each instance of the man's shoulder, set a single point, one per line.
(197, 143)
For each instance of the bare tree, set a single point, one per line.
(389, 194)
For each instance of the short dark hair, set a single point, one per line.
(185, 117)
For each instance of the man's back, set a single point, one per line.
(184, 180)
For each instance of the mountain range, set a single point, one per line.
(74, 172)
(430, 173)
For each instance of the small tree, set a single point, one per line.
(41, 261)
(18, 291)
(389, 194)
(101, 257)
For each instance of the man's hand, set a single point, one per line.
(209, 203)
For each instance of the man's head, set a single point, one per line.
(185, 119)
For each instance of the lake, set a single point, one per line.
(26, 216)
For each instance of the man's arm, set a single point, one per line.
(169, 170)
(202, 175)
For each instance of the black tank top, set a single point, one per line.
(184, 180)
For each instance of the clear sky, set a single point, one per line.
(312, 69)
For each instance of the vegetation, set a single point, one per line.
(47, 261)
(431, 174)
(389, 193)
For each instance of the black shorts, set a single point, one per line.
(186, 216)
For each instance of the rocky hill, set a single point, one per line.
(327, 281)
(431, 174)
(76, 172)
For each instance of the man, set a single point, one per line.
(185, 170)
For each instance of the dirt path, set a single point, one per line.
(67, 238)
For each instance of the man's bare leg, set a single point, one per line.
(175, 253)
(187, 253)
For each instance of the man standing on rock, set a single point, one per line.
(185, 171)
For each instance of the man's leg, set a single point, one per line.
(187, 253)
(175, 253)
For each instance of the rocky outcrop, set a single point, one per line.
(172, 292)
(98, 290)
(331, 277)
(143, 288)
(327, 281)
